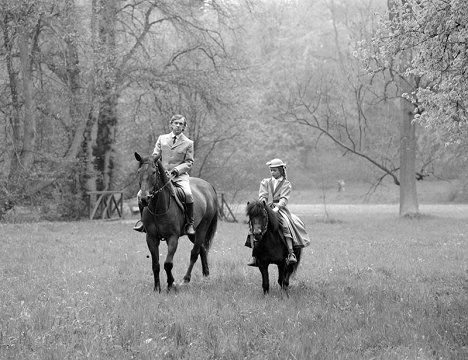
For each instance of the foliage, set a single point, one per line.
(320, 95)
(161, 57)
(255, 79)
(436, 33)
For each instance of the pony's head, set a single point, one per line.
(151, 175)
(261, 218)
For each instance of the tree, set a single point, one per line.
(19, 21)
(318, 83)
(386, 55)
(406, 84)
(436, 32)
(64, 105)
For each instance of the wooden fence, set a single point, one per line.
(109, 205)
(105, 204)
(225, 212)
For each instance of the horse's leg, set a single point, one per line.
(204, 261)
(172, 243)
(203, 252)
(281, 272)
(283, 277)
(287, 274)
(153, 246)
(265, 278)
(197, 249)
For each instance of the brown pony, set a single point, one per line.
(269, 245)
(164, 218)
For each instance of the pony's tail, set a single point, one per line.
(298, 253)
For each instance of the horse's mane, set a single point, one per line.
(159, 166)
(161, 169)
(256, 208)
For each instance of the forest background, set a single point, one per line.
(334, 88)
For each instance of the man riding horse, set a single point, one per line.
(175, 150)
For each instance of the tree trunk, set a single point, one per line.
(105, 142)
(103, 150)
(14, 116)
(77, 101)
(408, 194)
(88, 173)
(29, 119)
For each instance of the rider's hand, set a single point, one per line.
(174, 172)
(275, 209)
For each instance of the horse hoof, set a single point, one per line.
(184, 283)
(174, 287)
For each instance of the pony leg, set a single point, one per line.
(281, 274)
(172, 243)
(153, 246)
(284, 271)
(265, 278)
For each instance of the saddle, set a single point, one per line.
(179, 196)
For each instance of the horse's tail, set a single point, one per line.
(210, 233)
(298, 253)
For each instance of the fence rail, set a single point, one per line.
(225, 212)
(105, 204)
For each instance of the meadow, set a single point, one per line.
(370, 286)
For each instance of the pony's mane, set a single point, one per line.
(256, 208)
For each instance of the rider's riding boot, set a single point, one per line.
(291, 259)
(190, 230)
(253, 259)
(139, 226)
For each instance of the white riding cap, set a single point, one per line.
(275, 163)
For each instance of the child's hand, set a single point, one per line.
(275, 209)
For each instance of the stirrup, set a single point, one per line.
(291, 259)
(190, 230)
(139, 226)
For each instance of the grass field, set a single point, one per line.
(371, 286)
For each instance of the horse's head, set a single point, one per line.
(150, 173)
(261, 217)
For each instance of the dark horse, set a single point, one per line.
(270, 246)
(164, 218)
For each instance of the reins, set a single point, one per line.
(157, 191)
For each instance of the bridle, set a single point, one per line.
(155, 191)
(265, 222)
